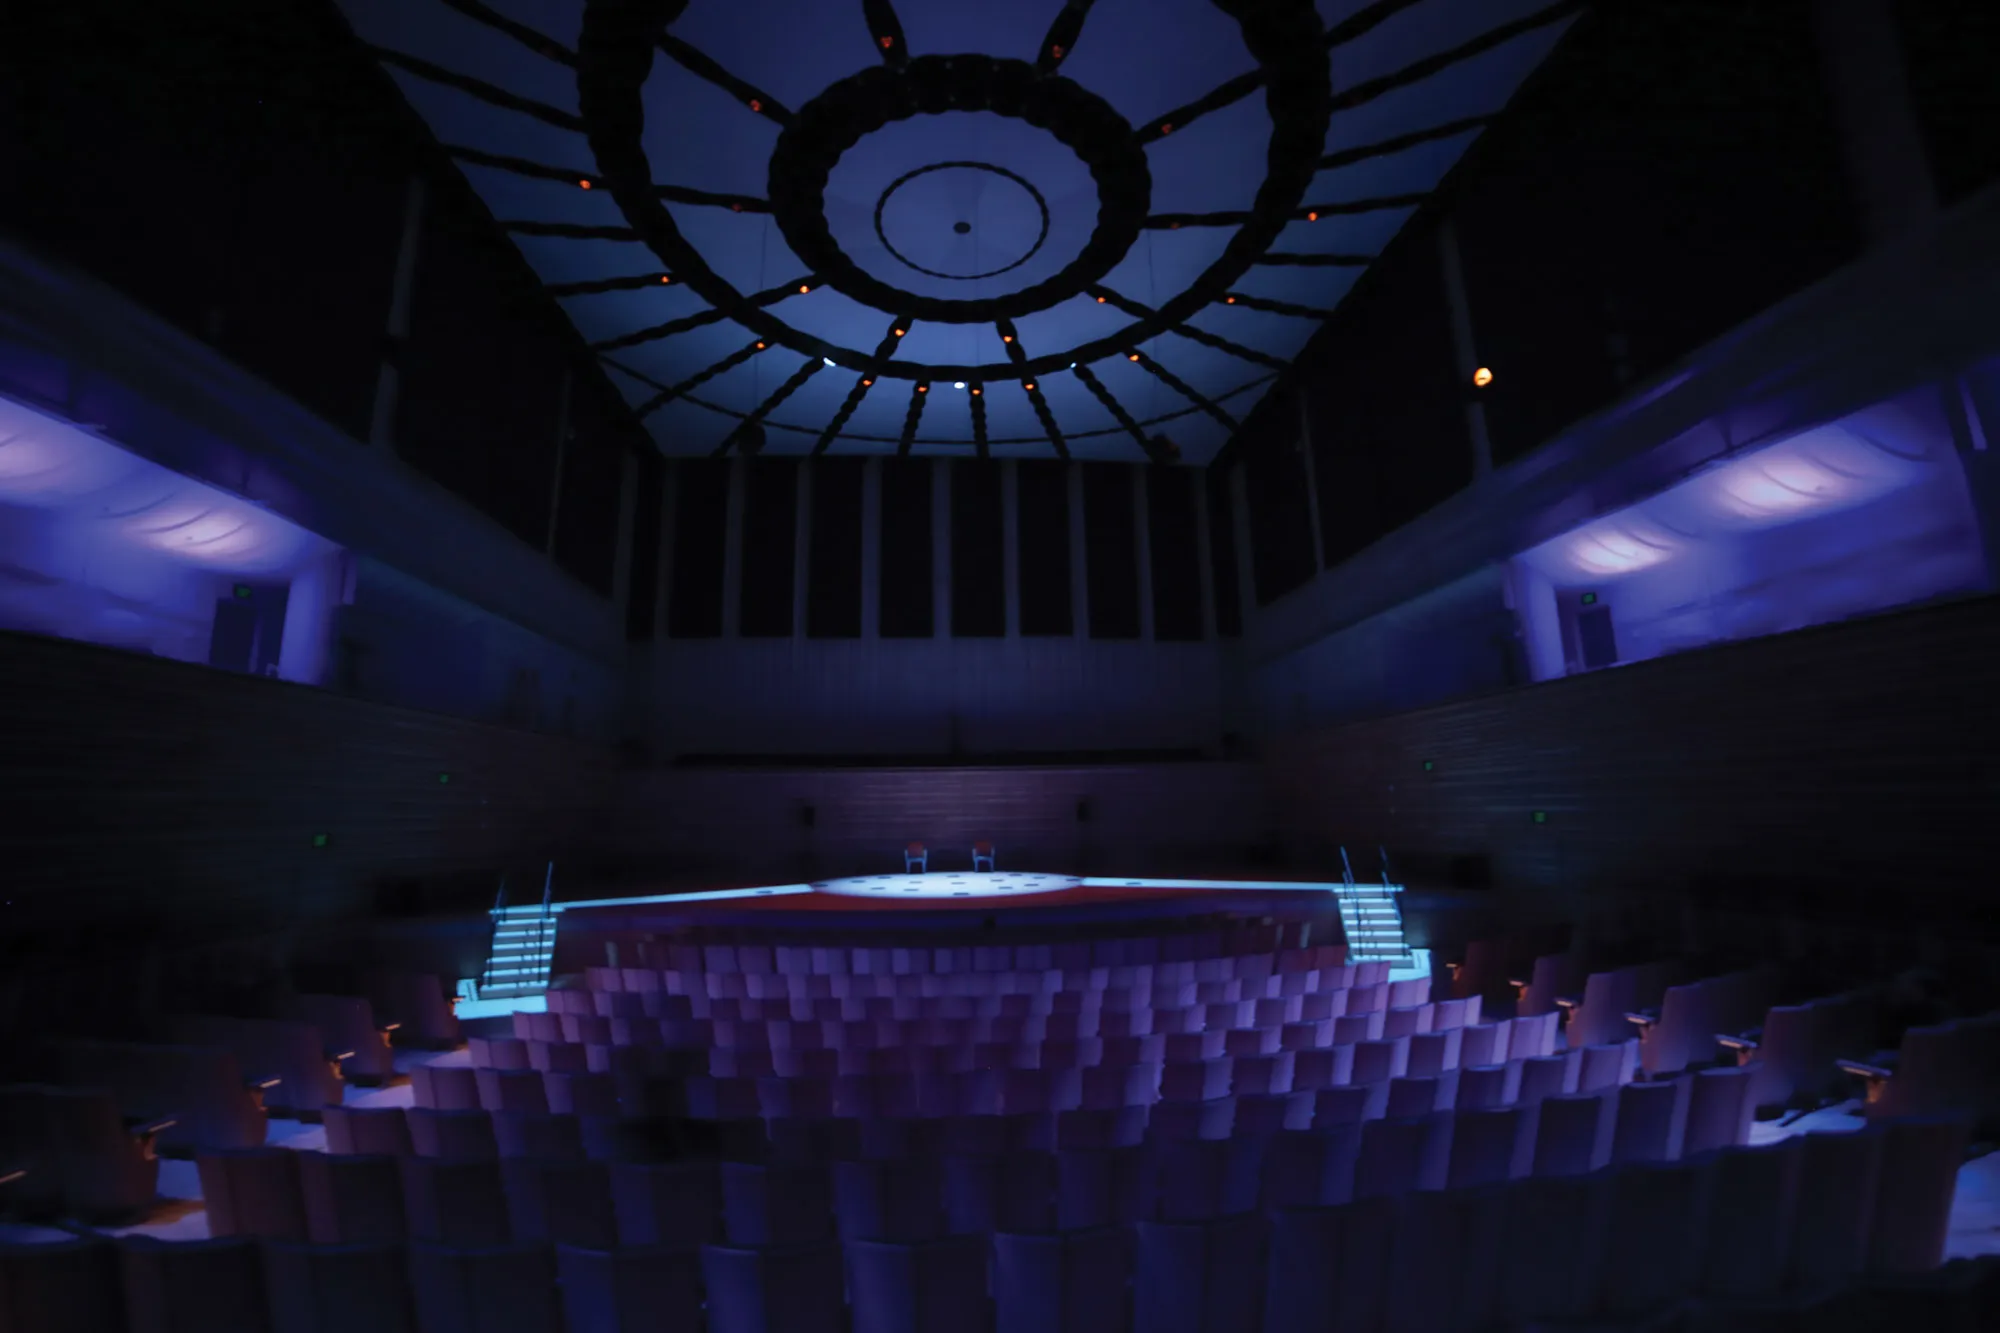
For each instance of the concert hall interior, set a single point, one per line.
(937, 666)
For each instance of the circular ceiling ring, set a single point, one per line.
(962, 228)
(850, 110)
(615, 53)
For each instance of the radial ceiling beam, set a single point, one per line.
(884, 350)
(1269, 306)
(1062, 35)
(1279, 257)
(887, 30)
(1305, 213)
(1181, 117)
(1364, 21)
(1359, 94)
(702, 318)
(698, 63)
(699, 378)
(918, 393)
(521, 166)
(479, 88)
(1116, 408)
(808, 368)
(569, 231)
(626, 284)
(1010, 338)
(1183, 388)
(975, 397)
(1190, 332)
(1347, 157)
(535, 40)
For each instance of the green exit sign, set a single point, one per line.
(319, 839)
(1590, 599)
(1429, 764)
(242, 591)
(1541, 816)
(443, 778)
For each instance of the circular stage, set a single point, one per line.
(949, 884)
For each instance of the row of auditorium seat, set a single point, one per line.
(1286, 939)
(1805, 1217)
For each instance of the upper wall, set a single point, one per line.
(1861, 759)
(146, 793)
(746, 826)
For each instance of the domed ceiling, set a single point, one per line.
(1081, 228)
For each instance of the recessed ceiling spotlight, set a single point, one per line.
(756, 105)
(888, 43)
(1312, 217)
(1482, 377)
(1006, 337)
(975, 391)
(1100, 300)
(583, 185)
(958, 384)
(923, 388)
(1029, 386)
(666, 278)
(826, 361)
(866, 384)
(901, 332)
(760, 347)
(1229, 300)
(1132, 356)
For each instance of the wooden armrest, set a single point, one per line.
(1642, 1018)
(1569, 1003)
(337, 1056)
(1454, 969)
(1519, 984)
(386, 1028)
(1862, 1069)
(261, 1084)
(156, 1126)
(9, 1176)
(1737, 1041)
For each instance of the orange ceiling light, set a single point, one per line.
(1006, 337)
(583, 185)
(756, 105)
(923, 388)
(1029, 386)
(1132, 356)
(666, 278)
(760, 347)
(975, 391)
(1482, 377)
(901, 332)
(888, 43)
(1229, 300)
(803, 289)
(867, 384)
(1312, 217)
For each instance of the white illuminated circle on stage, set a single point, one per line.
(949, 884)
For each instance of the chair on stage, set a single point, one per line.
(916, 859)
(982, 856)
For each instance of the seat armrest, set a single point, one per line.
(338, 1056)
(1864, 1070)
(156, 1126)
(1569, 1004)
(1454, 969)
(1741, 1042)
(10, 1175)
(1642, 1018)
(261, 1084)
(386, 1028)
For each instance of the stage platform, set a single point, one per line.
(946, 902)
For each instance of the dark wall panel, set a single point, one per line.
(1857, 763)
(701, 504)
(1390, 438)
(1222, 551)
(1111, 546)
(833, 575)
(1171, 496)
(1043, 548)
(592, 474)
(770, 531)
(1952, 49)
(220, 788)
(645, 575)
(906, 607)
(978, 552)
(1673, 171)
(1281, 554)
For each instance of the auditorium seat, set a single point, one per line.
(563, 1202)
(1198, 1277)
(202, 1089)
(1486, 1145)
(776, 1204)
(366, 1129)
(927, 1286)
(511, 1089)
(290, 1052)
(193, 1286)
(350, 1032)
(493, 1289)
(456, 1135)
(1652, 1122)
(538, 1134)
(894, 1199)
(449, 1202)
(1718, 1111)
(1752, 1213)
(80, 1155)
(1069, 1283)
(445, 1088)
(631, 1290)
(996, 1191)
(672, 1205)
(416, 1004)
(338, 1288)
(580, 1093)
(1548, 1251)
(253, 1192)
(1918, 1176)
(352, 1200)
(774, 1289)
(72, 1285)
(1486, 1086)
(1649, 1251)
(1839, 1175)
(1099, 1187)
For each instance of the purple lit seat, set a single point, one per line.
(454, 1202)
(675, 1205)
(1198, 1277)
(92, 1163)
(196, 1286)
(630, 1290)
(930, 1286)
(445, 1087)
(1752, 1213)
(337, 1288)
(1650, 1248)
(253, 1192)
(565, 1202)
(538, 1134)
(466, 1135)
(776, 1204)
(1486, 1145)
(1839, 1176)
(897, 1199)
(352, 1200)
(1069, 1283)
(65, 1286)
(1913, 1201)
(774, 1289)
(369, 1129)
(500, 1289)
(348, 1029)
